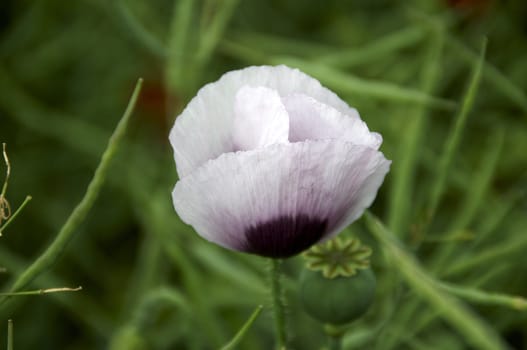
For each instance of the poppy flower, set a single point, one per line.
(270, 162)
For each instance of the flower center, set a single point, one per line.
(284, 236)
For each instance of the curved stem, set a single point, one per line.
(77, 216)
(278, 303)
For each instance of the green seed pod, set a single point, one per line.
(338, 300)
(337, 285)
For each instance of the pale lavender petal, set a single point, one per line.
(281, 199)
(203, 131)
(260, 118)
(313, 120)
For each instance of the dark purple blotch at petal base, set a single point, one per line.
(284, 236)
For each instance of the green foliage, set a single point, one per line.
(449, 234)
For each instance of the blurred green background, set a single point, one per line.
(455, 196)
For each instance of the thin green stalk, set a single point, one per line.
(497, 213)
(10, 335)
(7, 171)
(451, 237)
(408, 157)
(157, 219)
(360, 338)
(454, 136)
(59, 244)
(404, 167)
(15, 214)
(422, 320)
(241, 333)
(416, 344)
(488, 255)
(348, 83)
(334, 335)
(5, 207)
(193, 285)
(150, 42)
(231, 270)
(280, 44)
(492, 74)
(277, 295)
(480, 181)
(477, 296)
(214, 32)
(147, 270)
(478, 333)
(41, 291)
(130, 335)
(179, 49)
(242, 52)
(458, 178)
(155, 299)
(339, 80)
(377, 49)
(82, 307)
(473, 199)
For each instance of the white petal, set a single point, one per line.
(312, 120)
(260, 118)
(203, 130)
(279, 200)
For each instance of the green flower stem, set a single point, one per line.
(55, 249)
(278, 303)
(334, 335)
